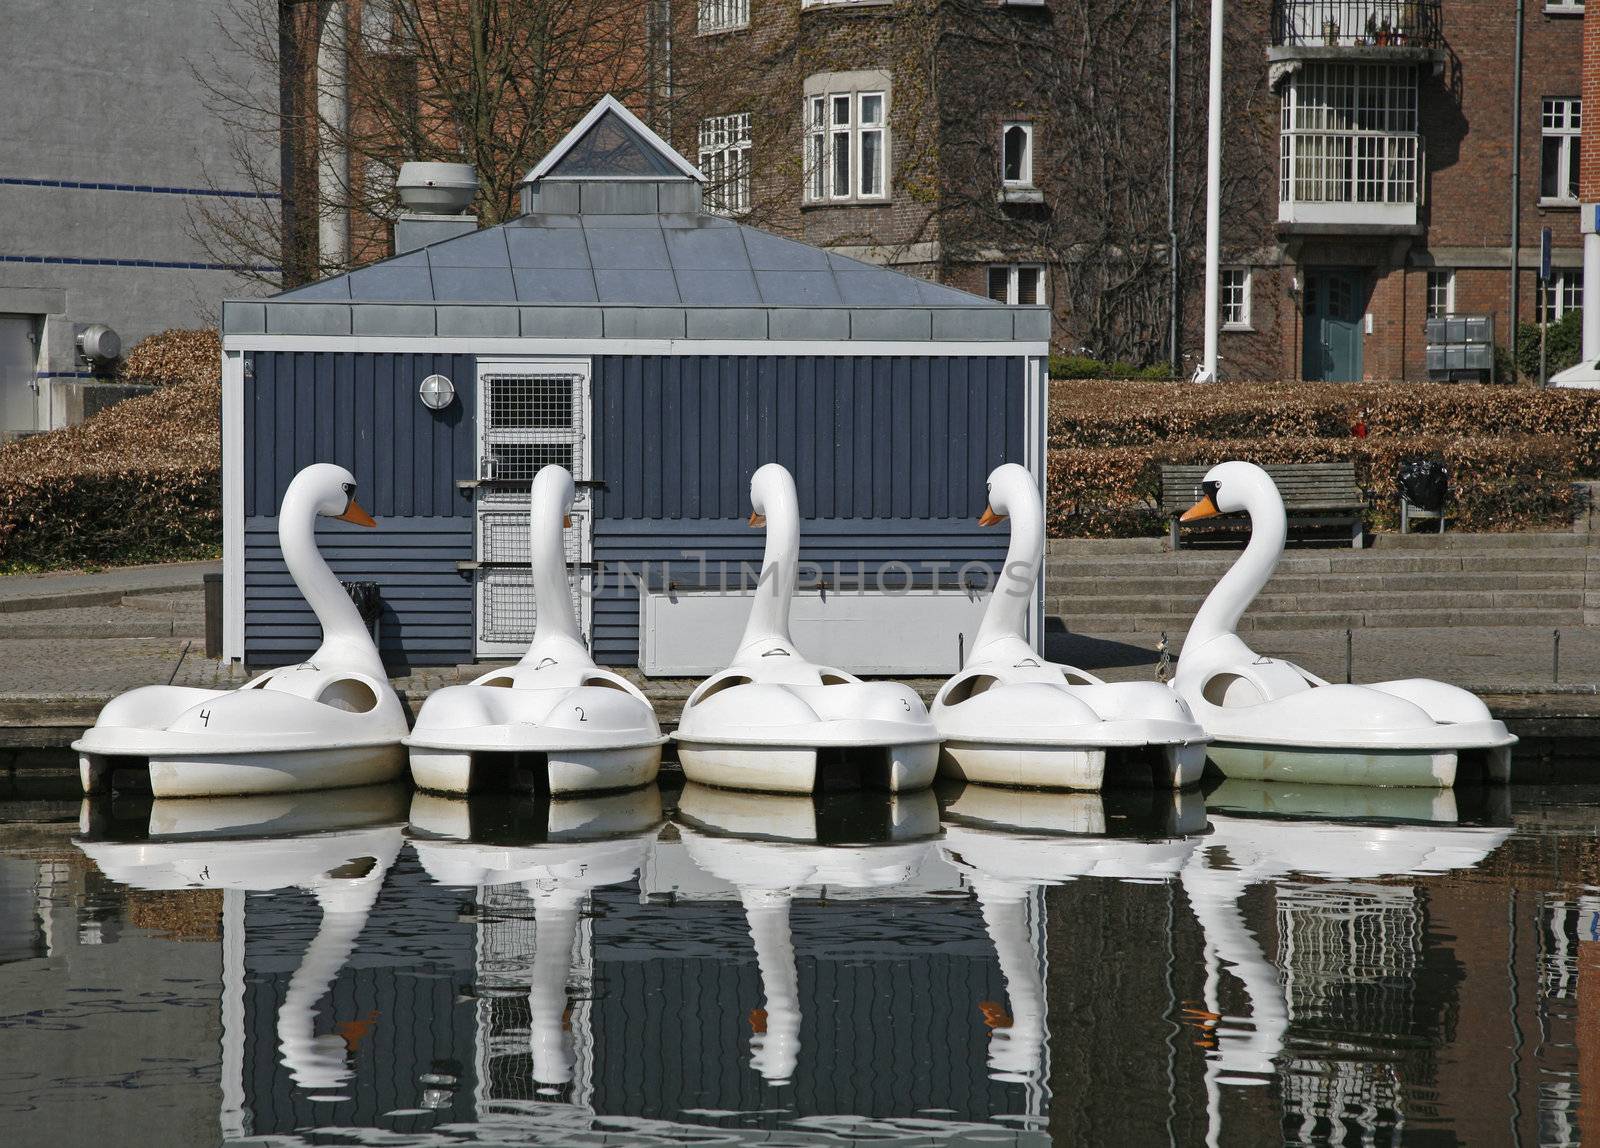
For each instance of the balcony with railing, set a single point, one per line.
(1391, 30)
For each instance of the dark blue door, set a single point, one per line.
(1333, 305)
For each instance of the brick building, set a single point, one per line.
(1368, 161)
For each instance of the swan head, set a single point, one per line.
(1011, 491)
(771, 486)
(331, 490)
(554, 484)
(1230, 487)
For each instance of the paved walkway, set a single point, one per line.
(103, 587)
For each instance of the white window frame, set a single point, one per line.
(1224, 287)
(1013, 276)
(713, 16)
(725, 161)
(1563, 292)
(828, 139)
(1441, 282)
(1561, 118)
(1563, 7)
(1027, 153)
(1348, 134)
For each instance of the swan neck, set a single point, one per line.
(555, 631)
(556, 928)
(768, 624)
(1234, 592)
(1005, 619)
(314, 1061)
(346, 644)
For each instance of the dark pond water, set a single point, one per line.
(1258, 965)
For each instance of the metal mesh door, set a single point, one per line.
(528, 419)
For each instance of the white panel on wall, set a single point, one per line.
(869, 632)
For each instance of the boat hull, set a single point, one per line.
(573, 769)
(1054, 766)
(777, 768)
(1428, 767)
(245, 773)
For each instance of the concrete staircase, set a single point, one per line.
(1137, 585)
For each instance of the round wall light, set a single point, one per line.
(437, 392)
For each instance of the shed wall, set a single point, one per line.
(362, 412)
(890, 456)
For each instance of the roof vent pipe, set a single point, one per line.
(433, 198)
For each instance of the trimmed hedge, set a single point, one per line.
(172, 357)
(1513, 452)
(139, 482)
(1098, 414)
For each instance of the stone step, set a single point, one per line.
(1177, 624)
(1378, 543)
(1278, 604)
(1317, 583)
(184, 602)
(100, 622)
(1333, 562)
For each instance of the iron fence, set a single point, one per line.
(1357, 23)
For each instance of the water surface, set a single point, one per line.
(1262, 964)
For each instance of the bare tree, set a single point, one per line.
(358, 87)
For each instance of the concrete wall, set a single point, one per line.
(104, 94)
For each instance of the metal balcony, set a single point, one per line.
(1379, 30)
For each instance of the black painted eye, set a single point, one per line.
(1209, 490)
(348, 487)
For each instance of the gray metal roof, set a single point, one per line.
(639, 260)
(576, 265)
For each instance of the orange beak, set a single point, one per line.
(757, 519)
(990, 518)
(1205, 508)
(354, 513)
(566, 520)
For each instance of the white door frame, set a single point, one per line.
(580, 369)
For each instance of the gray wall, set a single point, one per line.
(104, 94)
(362, 412)
(889, 455)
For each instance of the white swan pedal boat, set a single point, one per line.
(584, 728)
(331, 721)
(1012, 718)
(762, 722)
(1273, 720)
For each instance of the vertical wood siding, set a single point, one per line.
(890, 458)
(362, 412)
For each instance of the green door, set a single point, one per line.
(1333, 304)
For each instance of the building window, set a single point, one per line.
(1558, 171)
(1563, 292)
(847, 145)
(725, 161)
(1016, 148)
(1441, 294)
(1564, 6)
(1349, 134)
(1016, 283)
(724, 15)
(1233, 285)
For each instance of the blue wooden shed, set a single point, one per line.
(661, 352)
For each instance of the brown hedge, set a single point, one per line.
(1108, 414)
(175, 356)
(1499, 482)
(138, 482)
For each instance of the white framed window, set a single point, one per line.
(1562, 124)
(1564, 7)
(1563, 292)
(1016, 154)
(1233, 292)
(1348, 134)
(1016, 283)
(725, 160)
(847, 142)
(1441, 294)
(723, 15)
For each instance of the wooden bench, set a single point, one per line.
(1314, 494)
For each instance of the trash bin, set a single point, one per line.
(369, 603)
(1424, 489)
(212, 584)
